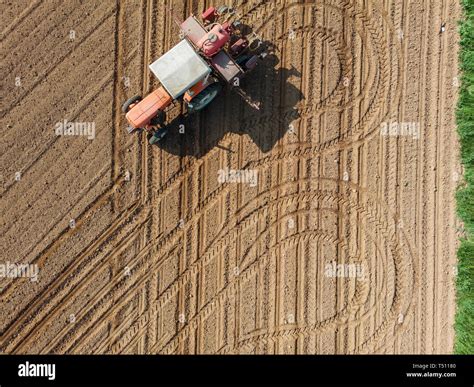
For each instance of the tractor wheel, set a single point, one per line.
(254, 43)
(131, 129)
(158, 136)
(129, 102)
(204, 98)
(159, 119)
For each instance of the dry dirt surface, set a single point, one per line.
(142, 249)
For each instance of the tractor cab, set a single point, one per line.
(180, 69)
(184, 73)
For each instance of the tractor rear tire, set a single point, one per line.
(204, 98)
(129, 102)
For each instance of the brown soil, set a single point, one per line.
(172, 261)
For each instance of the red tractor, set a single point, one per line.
(213, 52)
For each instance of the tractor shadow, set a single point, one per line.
(270, 85)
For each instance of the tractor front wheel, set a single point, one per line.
(131, 129)
(129, 102)
(158, 136)
(159, 119)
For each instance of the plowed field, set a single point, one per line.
(344, 243)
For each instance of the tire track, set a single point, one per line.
(337, 320)
(183, 279)
(61, 59)
(26, 12)
(147, 46)
(208, 310)
(85, 282)
(110, 193)
(83, 104)
(165, 245)
(215, 304)
(117, 95)
(266, 160)
(439, 233)
(41, 300)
